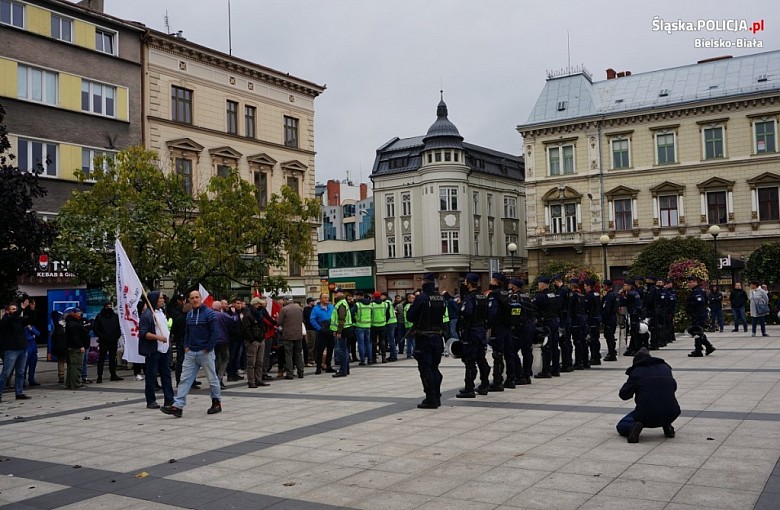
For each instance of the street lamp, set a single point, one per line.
(714, 231)
(512, 248)
(604, 240)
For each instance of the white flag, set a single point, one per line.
(129, 293)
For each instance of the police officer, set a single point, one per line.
(500, 327)
(632, 301)
(609, 308)
(547, 305)
(671, 309)
(650, 304)
(593, 311)
(579, 325)
(427, 315)
(696, 306)
(473, 317)
(659, 337)
(522, 320)
(564, 323)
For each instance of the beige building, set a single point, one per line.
(207, 112)
(658, 154)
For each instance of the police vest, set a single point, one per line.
(431, 316)
(407, 324)
(480, 310)
(363, 315)
(378, 314)
(334, 317)
(391, 318)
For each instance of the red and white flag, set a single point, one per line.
(129, 293)
(205, 296)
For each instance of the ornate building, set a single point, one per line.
(615, 164)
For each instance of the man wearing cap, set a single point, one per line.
(473, 317)
(593, 311)
(609, 308)
(564, 323)
(632, 301)
(548, 303)
(106, 327)
(78, 343)
(579, 325)
(378, 323)
(696, 306)
(499, 322)
(427, 315)
(523, 318)
(651, 383)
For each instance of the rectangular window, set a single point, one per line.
(184, 169)
(223, 171)
(295, 268)
(181, 105)
(348, 210)
(37, 85)
(490, 205)
(98, 98)
(261, 188)
(716, 207)
(561, 160)
(437, 157)
(667, 204)
(449, 242)
(620, 157)
(768, 204)
(92, 159)
(406, 204)
(407, 246)
(290, 132)
(476, 245)
(475, 199)
(623, 216)
(37, 156)
(665, 148)
(391, 247)
(563, 218)
(232, 117)
(765, 137)
(292, 183)
(448, 199)
(390, 206)
(510, 207)
(250, 114)
(104, 41)
(447, 156)
(61, 28)
(349, 231)
(713, 143)
(11, 13)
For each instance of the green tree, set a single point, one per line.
(23, 235)
(220, 236)
(764, 264)
(656, 257)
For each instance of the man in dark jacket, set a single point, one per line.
(152, 334)
(78, 343)
(738, 298)
(107, 330)
(652, 385)
(13, 343)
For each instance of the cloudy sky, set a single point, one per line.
(385, 61)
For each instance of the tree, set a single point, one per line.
(23, 235)
(763, 265)
(220, 236)
(656, 257)
(568, 270)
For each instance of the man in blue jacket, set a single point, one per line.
(200, 339)
(652, 385)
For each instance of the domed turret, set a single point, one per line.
(442, 134)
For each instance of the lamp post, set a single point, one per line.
(604, 240)
(714, 231)
(512, 248)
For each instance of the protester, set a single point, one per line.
(253, 332)
(739, 299)
(759, 307)
(320, 321)
(13, 343)
(78, 343)
(153, 345)
(292, 331)
(106, 327)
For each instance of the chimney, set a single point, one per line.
(94, 5)
(611, 74)
(334, 192)
(363, 191)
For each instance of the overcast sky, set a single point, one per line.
(385, 61)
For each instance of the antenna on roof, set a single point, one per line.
(568, 50)
(167, 24)
(230, 32)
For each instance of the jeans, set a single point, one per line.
(411, 345)
(624, 425)
(193, 360)
(32, 363)
(453, 328)
(14, 359)
(717, 319)
(364, 343)
(739, 316)
(84, 374)
(156, 364)
(342, 353)
(759, 320)
(390, 339)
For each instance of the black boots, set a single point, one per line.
(216, 406)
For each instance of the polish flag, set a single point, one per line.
(207, 299)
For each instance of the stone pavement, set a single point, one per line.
(360, 442)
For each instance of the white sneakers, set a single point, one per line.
(139, 377)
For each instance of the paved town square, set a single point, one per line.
(360, 442)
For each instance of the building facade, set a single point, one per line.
(446, 206)
(207, 112)
(658, 154)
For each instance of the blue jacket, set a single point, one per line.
(652, 385)
(224, 324)
(319, 314)
(201, 332)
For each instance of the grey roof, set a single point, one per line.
(680, 85)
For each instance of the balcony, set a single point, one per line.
(563, 240)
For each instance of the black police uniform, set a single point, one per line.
(547, 305)
(500, 333)
(473, 317)
(593, 308)
(609, 308)
(671, 309)
(696, 306)
(632, 301)
(523, 320)
(579, 329)
(564, 323)
(650, 304)
(427, 315)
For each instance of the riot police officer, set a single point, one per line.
(547, 305)
(500, 327)
(609, 308)
(523, 321)
(671, 309)
(632, 301)
(473, 317)
(650, 304)
(427, 315)
(579, 325)
(593, 311)
(564, 323)
(658, 338)
(696, 306)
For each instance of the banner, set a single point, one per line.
(129, 293)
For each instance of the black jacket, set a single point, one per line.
(12, 336)
(652, 385)
(738, 298)
(77, 333)
(106, 327)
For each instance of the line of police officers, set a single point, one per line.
(566, 319)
